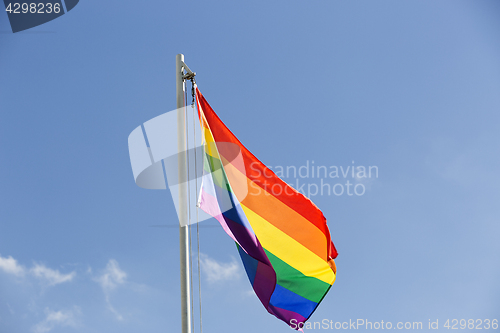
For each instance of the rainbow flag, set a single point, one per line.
(281, 236)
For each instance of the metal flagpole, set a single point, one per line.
(183, 184)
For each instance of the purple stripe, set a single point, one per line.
(264, 283)
(287, 316)
(249, 244)
(265, 277)
(210, 206)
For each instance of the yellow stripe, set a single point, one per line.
(288, 249)
(274, 211)
(210, 146)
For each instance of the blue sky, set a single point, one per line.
(409, 87)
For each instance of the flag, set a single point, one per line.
(282, 237)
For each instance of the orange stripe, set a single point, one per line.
(260, 174)
(276, 212)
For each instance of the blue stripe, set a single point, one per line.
(235, 213)
(288, 300)
(249, 263)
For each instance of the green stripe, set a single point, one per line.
(214, 166)
(292, 279)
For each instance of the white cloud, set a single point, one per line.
(112, 277)
(9, 265)
(47, 275)
(215, 271)
(64, 318)
(248, 293)
(50, 276)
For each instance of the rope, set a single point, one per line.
(189, 203)
(193, 82)
(197, 217)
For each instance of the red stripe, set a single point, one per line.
(265, 177)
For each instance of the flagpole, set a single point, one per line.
(183, 207)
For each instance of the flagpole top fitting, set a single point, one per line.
(189, 76)
(189, 73)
